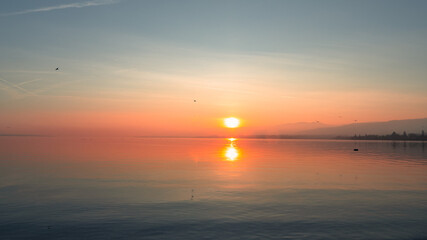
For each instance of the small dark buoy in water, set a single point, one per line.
(356, 149)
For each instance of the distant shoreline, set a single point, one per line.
(392, 137)
(370, 137)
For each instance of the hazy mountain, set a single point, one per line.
(294, 128)
(409, 125)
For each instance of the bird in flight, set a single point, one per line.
(57, 69)
(194, 100)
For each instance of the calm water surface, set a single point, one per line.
(139, 188)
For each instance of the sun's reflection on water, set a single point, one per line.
(231, 153)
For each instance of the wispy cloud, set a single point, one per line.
(63, 6)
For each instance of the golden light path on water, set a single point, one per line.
(231, 152)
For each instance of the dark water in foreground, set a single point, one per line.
(130, 188)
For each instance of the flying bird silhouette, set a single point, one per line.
(194, 100)
(57, 69)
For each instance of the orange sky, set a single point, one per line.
(168, 117)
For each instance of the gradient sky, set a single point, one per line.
(130, 67)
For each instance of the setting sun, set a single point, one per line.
(231, 122)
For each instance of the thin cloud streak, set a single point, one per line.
(11, 85)
(64, 6)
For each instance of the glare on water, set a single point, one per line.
(231, 152)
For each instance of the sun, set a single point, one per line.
(231, 122)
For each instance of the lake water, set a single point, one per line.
(141, 188)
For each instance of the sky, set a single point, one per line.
(134, 68)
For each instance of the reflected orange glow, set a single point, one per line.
(311, 164)
(231, 152)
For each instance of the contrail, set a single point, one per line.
(9, 84)
(64, 6)
(29, 81)
(7, 89)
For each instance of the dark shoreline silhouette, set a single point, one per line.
(393, 136)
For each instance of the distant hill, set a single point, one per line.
(294, 128)
(398, 126)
